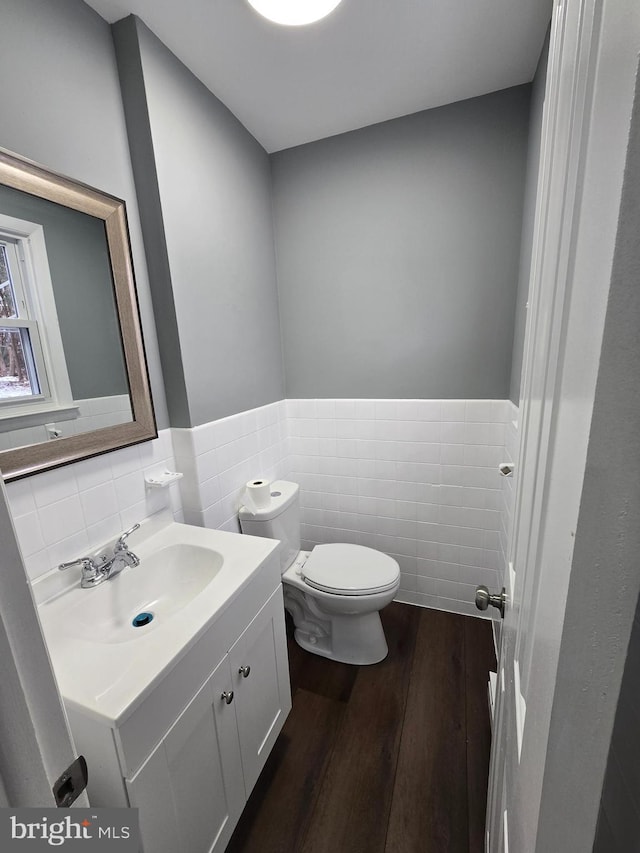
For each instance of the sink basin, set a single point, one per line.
(186, 580)
(163, 584)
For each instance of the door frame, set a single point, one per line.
(603, 586)
(585, 605)
(557, 193)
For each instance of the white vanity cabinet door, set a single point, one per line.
(263, 697)
(190, 791)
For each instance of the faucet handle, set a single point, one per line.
(88, 564)
(120, 544)
(92, 573)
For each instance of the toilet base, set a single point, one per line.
(355, 639)
(345, 628)
(365, 644)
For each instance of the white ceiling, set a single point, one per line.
(369, 61)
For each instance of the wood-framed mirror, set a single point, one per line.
(73, 374)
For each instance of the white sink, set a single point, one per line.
(186, 579)
(160, 587)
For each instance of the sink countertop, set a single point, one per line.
(108, 680)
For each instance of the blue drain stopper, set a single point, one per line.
(142, 619)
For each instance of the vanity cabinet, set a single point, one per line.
(190, 791)
(260, 681)
(191, 773)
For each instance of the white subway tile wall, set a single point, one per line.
(219, 458)
(417, 479)
(61, 514)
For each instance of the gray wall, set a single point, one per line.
(619, 818)
(528, 218)
(617, 498)
(397, 251)
(213, 184)
(83, 289)
(64, 110)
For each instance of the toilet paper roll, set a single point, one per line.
(257, 494)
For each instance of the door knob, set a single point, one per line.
(227, 696)
(244, 671)
(484, 598)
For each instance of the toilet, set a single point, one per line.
(334, 592)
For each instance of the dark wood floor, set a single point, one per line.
(391, 758)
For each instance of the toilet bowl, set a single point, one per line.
(335, 592)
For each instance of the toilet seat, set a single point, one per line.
(344, 569)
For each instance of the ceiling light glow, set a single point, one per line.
(294, 13)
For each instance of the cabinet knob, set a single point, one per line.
(244, 671)
(227, 696)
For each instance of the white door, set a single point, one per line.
(37, 746)
(593, 50)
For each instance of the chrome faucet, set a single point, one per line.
(122, 556)
(95, 570)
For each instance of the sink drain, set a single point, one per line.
(142, 619)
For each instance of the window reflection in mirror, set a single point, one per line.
(62, 369)
(21, 377)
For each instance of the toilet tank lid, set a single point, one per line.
(283, 494)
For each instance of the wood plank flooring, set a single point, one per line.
(391, 758)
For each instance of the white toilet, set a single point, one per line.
(334, 592)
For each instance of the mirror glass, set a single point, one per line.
(73, 378)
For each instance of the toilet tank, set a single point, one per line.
(280, 519)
